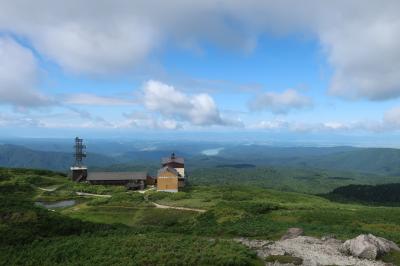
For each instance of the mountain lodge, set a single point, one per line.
(170, 177)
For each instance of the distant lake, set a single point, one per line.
(56, 204)
(212, 152)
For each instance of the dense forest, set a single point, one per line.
(374, 194)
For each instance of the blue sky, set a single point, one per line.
(306, 70)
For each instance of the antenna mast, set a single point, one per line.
(79, 152)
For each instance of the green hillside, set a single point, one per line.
(369, 160)
(18, 156)
(31, 235)
(378, 161)
(296, 179)
(128, 229)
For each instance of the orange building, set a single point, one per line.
(171, 176)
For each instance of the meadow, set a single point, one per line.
(140, 233)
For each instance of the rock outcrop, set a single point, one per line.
(368, 247)
(313, 251)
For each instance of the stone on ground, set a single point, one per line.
(368, 246)
(313, 251)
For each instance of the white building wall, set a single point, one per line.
(181, 171)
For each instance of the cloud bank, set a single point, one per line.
(280, 103)
(359, 38)
(19, 74)
(197, 109)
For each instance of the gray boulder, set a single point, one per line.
(368, 246)
(292, 233)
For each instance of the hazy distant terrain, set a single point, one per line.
(303, 169)
(18, 156)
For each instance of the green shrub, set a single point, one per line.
(284, 259)
(179, 196)
(97, 189)
(234, 195)
(160, 217)
(121, 248)
(98, 201)
(158, 195)
(392, 257)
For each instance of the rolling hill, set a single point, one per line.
(381, 161)
(371, 161)
(21, 157)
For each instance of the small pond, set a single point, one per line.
(56, 204)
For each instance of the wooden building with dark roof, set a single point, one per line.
(171, 176)
(132, 180)
(178, 163)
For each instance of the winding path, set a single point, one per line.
(177, 208)
(93, 195)
(47, 189)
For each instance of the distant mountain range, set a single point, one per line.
(21, 157)
(381, 161)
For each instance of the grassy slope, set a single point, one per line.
(136, 227)
(128, 249)
(31, 235)
(241, 211)
(266, 213)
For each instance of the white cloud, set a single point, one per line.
(92, 99)
(19, 76)
(270, 125)
(280, 103)
(360, 38)
(392, 117)
(82, 48)
(329, 126)
(333, 125)
(147, 121)
(365, 56)
(7, 120)
(197, 109)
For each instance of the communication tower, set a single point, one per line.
(79, 171)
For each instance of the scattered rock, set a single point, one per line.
(254, 243)
(313, 251)
(368, 246)
(328, 237)
(292, 233)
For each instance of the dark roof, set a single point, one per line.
(169, 169)
(117, 176)
(172, 159)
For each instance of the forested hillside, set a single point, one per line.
(345, 163)
(378, 194)
(18, 156)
